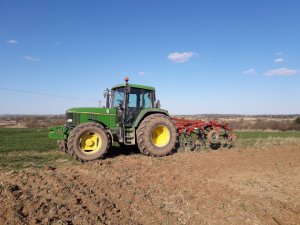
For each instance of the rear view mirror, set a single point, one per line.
(157, 105)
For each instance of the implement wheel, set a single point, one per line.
(88, 141)
(156, 135)
(213, 137)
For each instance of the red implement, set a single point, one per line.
(184, 125)
(197, 133)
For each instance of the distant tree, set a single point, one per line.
(31, 121)
(297, 120)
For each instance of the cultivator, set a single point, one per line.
(196, 134)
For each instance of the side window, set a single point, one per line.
(132, 101)
(147, 99)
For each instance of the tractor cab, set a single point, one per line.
(130, 100)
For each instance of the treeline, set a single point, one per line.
(265, 124)
(259, 122)
(239, 116)
(32, 121)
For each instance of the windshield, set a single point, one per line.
(118, 98)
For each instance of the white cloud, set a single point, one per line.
(180, 57)
(12, 42)
(30, 58)
(279, 60)
(142, 73)
(249, 71)
(281, 72)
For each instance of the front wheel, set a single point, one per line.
(156, 135)
(88, 141)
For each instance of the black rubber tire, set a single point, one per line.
(144, 135)
(74, 139)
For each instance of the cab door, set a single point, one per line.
(137, 100)
(133, 106)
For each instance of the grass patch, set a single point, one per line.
(25, 139)
(21, 160)
(264, 139)
(267, 134)
(28, 147)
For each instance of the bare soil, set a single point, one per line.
(216, 187)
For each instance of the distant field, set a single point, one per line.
(25, 147)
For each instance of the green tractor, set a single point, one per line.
(132, 116)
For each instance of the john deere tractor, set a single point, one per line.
(132, 116)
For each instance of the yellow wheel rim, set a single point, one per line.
(160, 136)
(90, 143)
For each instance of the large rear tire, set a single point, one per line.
(88, 141)
(156, 135)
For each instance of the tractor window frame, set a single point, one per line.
(143, 96)
(116, 103)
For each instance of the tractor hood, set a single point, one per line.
(75, 116)
(92, 110)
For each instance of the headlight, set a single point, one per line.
(69, 119)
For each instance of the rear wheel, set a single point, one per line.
(156, 135)
(88, 141)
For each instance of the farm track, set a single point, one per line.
(216, 187)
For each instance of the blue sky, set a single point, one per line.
(240, 57)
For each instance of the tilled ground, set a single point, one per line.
(216, 187)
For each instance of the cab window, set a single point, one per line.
(147, 96)
(118, 98)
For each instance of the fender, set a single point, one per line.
(146, 112)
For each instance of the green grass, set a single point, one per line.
(267, 134)
(20, 160)
(25, 139)
(27, 147)
(265, 139)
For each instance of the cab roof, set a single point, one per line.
(134, 86)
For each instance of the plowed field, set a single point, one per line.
(216, 187)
